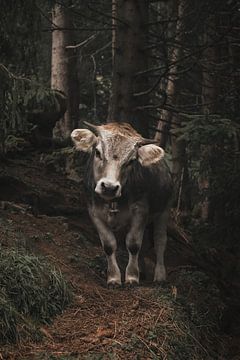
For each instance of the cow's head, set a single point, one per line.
(116, 146)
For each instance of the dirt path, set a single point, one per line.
(100, 323)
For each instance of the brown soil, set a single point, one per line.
(99, 320)
(54, 223)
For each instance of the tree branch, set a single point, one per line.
(83, 43)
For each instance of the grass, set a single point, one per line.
(177, 322)
(8, 319)
(31, 292)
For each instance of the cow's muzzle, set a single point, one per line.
(108, 189)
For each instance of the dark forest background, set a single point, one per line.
(171, 69)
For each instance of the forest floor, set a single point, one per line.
(46, 213)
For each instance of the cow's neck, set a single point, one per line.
(113, 207)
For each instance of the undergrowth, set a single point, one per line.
(187, 317)
(191, 318)
(31, 292)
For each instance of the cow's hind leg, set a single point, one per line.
(160, 240)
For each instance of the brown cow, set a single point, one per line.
(128, 185)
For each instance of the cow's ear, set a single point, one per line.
(150, 154)
(83, 139)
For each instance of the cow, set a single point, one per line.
(128, 184)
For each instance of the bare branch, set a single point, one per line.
(76, 29)
(101, 49)
(13, 76)
(83, 43)
(142, 93)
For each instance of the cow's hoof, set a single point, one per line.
(131, 283)
(112, 284)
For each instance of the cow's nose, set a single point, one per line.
(109, 188)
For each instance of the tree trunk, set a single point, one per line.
(164, 124)
(64, 70)
(130, 58)
(114, 23)
(169, 120)
(209, 99)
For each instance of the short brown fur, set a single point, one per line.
(123, 129)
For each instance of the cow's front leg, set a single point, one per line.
(134, 242)
(113, 272)
(109, 245)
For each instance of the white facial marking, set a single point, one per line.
(115, 151)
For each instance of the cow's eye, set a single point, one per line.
(98, 154)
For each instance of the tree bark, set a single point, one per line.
(209, 99)
(64, 70)
(130, 58)
(169, 120)
(164, 125)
